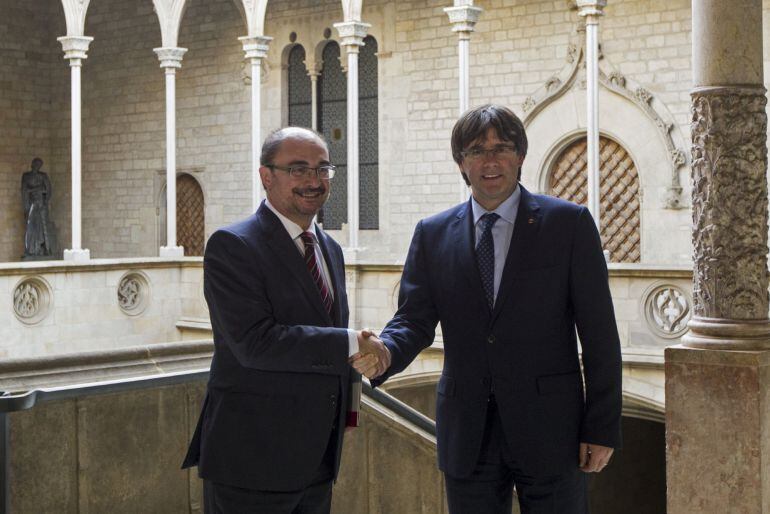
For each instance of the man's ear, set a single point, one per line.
(266, 175)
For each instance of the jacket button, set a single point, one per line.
(491, 339)
(334, 400)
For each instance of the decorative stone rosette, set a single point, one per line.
(133, 293)
(667, 309)
(729, 163)
(32, 300)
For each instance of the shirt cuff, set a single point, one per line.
(352, 342)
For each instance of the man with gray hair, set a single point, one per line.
(281, 389)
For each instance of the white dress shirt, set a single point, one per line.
(502, 230)
(295, 231)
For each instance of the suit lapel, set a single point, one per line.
(464, 238)
(336, 271)
(287, 253)
(524, 232)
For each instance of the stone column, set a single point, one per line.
(170, 60)
(352, 34)
(255, 48)
(717, 408)
(463, 19)
(591, 10)
(75, 48)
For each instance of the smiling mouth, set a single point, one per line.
(309, 194)
(491, 177)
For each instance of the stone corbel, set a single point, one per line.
(352, 34)
(463, 19)
(75, 48)
(170, 57)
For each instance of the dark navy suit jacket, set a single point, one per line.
(280, 371)
(525, 350)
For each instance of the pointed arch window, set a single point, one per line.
(300, 101)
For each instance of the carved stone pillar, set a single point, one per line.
(463, 19)
(170, 60)
(352, 34)
(256, 48)
(717, 413)
(75, 48)
(592, 10)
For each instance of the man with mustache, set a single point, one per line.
(511, 276)
(281, 389)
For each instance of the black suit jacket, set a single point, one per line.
(525, 350)
(280, 371)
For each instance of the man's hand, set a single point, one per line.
(373, 357)
(594, 457)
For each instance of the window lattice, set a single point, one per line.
(619, 184)
(332, 123)
(190, 218)
(299, 89)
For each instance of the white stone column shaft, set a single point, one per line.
(463, 19)
(592, 10)
(170, 60)
(75, 48)
(256, 48)
(314, 100)
(352, 34)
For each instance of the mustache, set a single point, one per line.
(310, 190)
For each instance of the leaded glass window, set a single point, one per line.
(300, 105)
(332, 123)
(368, 149)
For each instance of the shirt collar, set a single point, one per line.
(292, 228)
(506, 210)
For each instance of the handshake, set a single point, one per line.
(373, 357)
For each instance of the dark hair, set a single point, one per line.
(273, 141)
(475, 123)
(37, 159)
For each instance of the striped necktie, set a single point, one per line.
(313, 266)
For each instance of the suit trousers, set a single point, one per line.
(489, 488)
(316, 498)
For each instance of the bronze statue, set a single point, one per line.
(35, 195)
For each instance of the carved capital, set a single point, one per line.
(256, 47)
(170, 57)
(729, 164)
(591, 8)
(75, 47)
(463, 18)
(352, 34)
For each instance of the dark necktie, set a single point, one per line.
(313, 267)
(485, 256)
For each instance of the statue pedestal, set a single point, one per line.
(171, 252)
(82, 255)
(717, 430)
